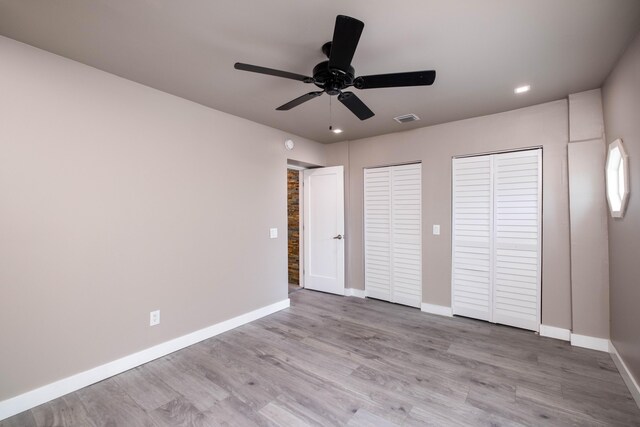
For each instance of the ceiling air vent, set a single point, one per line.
(406, 118)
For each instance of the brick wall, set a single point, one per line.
(293, 213)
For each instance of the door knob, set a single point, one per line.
(339, 237)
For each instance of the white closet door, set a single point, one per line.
(472, 242)
(497, 208)
(377, 233)
(393, 238)
(406, 236)
(518, 208)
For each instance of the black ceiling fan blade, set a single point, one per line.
(272, 72)
(346, 35)
(357, 107)
(412, 78)
(299, 100)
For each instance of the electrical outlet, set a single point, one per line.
(154, 318)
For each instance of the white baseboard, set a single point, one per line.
(631, 382)
(555, 332)
(585, 341)
(352, 292)
(51, 391)
(440, 310)
(600, 344)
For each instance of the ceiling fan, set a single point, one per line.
(337, 74)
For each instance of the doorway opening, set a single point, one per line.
(315, 227)
(294, 241)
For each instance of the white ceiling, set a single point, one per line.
(481, 50)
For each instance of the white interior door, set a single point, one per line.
(324, 229)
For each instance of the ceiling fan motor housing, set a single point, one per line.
(332, 80)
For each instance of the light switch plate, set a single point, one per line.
(273, 233)
(436, 230)
(154, 318)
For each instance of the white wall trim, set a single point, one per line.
(51, 391)
(352, 292)
(600, 344)
(631, 382)
(296, 167)
(555, 332)
(440, 310)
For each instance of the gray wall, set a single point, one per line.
(543, 125)
(621, 102)
(117, 199)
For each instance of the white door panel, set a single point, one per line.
(377, 231)
(323, 223)
(471, 245)
(517, 238)
(406, 238)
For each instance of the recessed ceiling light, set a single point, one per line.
(336, 130)
(522, 89)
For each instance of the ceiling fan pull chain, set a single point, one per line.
(330, 116)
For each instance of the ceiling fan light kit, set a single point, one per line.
(337, 74)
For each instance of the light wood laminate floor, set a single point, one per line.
(332, 360)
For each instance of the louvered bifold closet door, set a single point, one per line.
(406, 236)
(517, 206)
(472, 242)
(377, 232)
